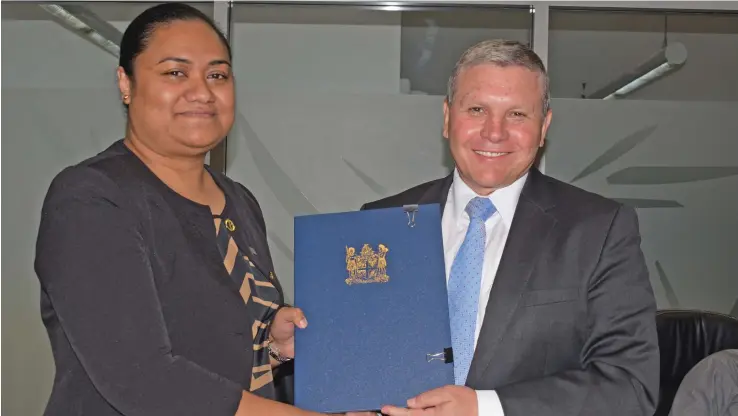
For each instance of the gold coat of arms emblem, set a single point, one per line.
(368, 266)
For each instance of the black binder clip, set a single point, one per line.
(447, 356)
(410, 210)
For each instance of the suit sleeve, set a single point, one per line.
(93, 263)
(620, 358)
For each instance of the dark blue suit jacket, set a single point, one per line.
(570, 324)
(142, 316)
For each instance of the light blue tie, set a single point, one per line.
(463, 286)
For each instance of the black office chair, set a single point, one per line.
(685, 338)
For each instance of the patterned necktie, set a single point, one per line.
(463, 286)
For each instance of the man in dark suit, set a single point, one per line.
(552, 312)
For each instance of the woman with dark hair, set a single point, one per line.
(157, 285)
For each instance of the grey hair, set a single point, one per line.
(502, 53)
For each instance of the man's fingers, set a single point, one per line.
(401, 411)
(431, 398)
(396, 411)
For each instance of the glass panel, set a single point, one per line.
(432, 41)
(677, 163)
(668, 149)
(62, 105)
(588, 49)
(124, 12)
(326, 122)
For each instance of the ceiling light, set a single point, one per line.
(664, 62)
(86, 24)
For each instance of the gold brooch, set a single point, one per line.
(230, 225)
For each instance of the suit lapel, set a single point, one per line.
(527, 238)
(193, 223)
(255, 249)
(437, 193)
(247, 235)
(196, 222)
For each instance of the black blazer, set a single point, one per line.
(142, 316)
(570, 324)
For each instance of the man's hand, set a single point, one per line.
(444, 401)
(283, 329)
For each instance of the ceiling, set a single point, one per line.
(479, 17)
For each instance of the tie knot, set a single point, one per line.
(480, 209)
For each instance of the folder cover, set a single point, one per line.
(372, 286)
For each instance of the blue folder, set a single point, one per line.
(373, 288)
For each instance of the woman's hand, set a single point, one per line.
(283, 329)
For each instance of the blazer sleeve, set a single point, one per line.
(93, 263)
(620, 357)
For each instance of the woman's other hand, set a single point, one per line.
(283, 329)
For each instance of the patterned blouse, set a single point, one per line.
(259, 294)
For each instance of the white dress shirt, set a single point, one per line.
(454, 224)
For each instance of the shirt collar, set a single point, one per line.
(504, 199)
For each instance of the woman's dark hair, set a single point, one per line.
(137, 35)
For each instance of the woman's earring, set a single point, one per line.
(125, 98)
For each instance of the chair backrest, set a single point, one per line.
(685, 338)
